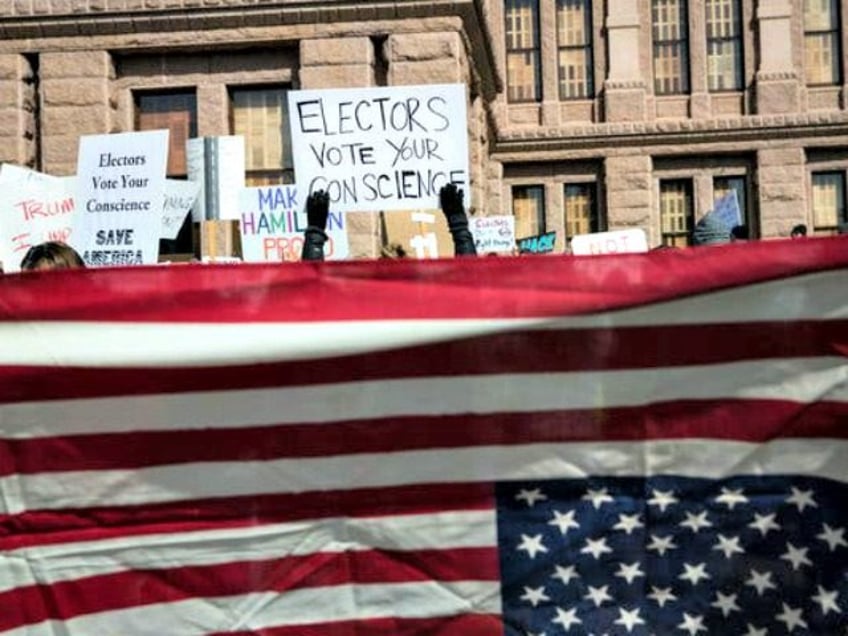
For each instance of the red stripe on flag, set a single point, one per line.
(517, 352)
(68, 599)
(716, 419)
(61, 526)
(463, 625)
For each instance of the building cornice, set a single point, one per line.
(669, 136)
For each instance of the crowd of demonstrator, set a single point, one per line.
(54, 255)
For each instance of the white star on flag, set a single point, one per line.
(628, 523)
(726, 603)
(661, 544)
(791, 618)
(753, 631)
(597, 497)
(629, 572)
(731, 498)
(535, 595)
(596, 547)
(827, 600)
(692, 624)
(567, 619)
(764, 523)
(564, 521)
(598, 595)
(696, 522)
(565, 574)
(729, 546)
(663, 499)
(802, 499)
(532, 545)
(629, 618)
(531, 496)
(761, 582)
(833, 537)
(796, 556)
(662, 595)
(694, 573)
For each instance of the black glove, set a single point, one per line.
(317, 210)
(450, 198)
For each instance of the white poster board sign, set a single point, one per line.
(34, 208)
(217, 164)
(179, 199)
(632, 240)
(120, 198)
(386, 148)
(493, 233)
(272, 222)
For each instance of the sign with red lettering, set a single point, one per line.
(272, 223)
(384, 148)
(34, 208)
(616, 242)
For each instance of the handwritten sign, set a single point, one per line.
(493, 233)
(540, 244)
(272, 224)
(616, 242)
(120, 196)
(34, 208)
(179, 199)
(387, 148)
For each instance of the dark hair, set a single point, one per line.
(51, 255)
(799, 230)
(740, 232)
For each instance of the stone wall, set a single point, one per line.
(19, 132)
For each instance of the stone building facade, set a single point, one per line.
(584, 115)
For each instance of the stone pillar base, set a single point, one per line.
(777, 93)
(624, 101)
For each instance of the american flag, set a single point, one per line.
(639, 444)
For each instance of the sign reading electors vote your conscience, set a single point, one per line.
(120, 198)
(387, 148)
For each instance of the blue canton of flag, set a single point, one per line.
(747, 556)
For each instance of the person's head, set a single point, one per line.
(51, 255)
(799, 231)
(739, 233)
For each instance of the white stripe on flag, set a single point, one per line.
(796, 379)
(49, 564)
(298, 607)
(711, 458)
(119, 344)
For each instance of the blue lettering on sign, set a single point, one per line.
(273, 198)
(541, 244)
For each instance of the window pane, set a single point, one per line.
(522, 45)
(574, 34)
(820, 15)
(178, 113)
(676, 212)
(724, 45)
(528, 206)
(573, 22)
(671, 48)
(822, 42)
(574, 74)
(828, 199)
(261, 116)
(581, 214)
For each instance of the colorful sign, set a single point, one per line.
(493, 233)
(540, 244)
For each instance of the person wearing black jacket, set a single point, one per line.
(318, 209)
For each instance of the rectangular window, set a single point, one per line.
(676, 212)
(723, 185)
(524, 80)
(671, 46)
(821, 42)
(176, 112)
(528, 207)
(260, 115)
(724, 45)
(581, 210)
(829, 200)
(574, 34)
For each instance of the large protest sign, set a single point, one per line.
(388, 148)
(631, 240)
(120, 196)
(34, 208)
(272, 222)
(493, 233)
(180, 196)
